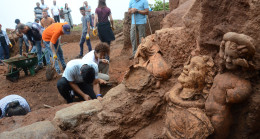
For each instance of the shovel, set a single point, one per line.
(50, 71)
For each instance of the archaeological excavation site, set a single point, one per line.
(194, 76)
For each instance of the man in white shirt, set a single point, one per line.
(98, 56)
(55, 11)
(78, 77)
(44, 7)
(13, 105)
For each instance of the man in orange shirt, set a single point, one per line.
(46, 21)
(51, 37)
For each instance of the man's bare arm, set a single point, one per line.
(88, 27)
(77, 90)
(111, 20)
(95, 20)
(143, 12)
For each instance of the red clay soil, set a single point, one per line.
(38, 91)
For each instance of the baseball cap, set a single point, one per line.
(66, 29)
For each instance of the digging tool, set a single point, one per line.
(135, 33)
(50, 71)
(149, 24)
(164, 7)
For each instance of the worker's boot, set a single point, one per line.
(79, 56)
(39, 67)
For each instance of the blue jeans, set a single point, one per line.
(4, 52)
(25, 40)
(59, 55)
(82, 40)
(91, 23)
(48, 53)
(39, 55)
(39, 51)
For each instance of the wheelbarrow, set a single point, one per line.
(16, 64)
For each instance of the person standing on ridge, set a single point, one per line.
(38, 11)
(138, 9)
(45, 7)
(85, 32)
(55, 11)
(67, 15)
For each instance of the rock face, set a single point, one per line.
(175, 18)
(72, 116)
(175, 3)
(126, 109)
(37, 130)
(241, 16)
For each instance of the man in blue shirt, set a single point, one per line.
(139, 9)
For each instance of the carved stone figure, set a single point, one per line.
(149, 56)
(236, 51)
(185, 117)
(197, 77)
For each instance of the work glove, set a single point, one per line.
(112, 28)
(30, 48)
(10, 44)
(87, 36)
(55, 57)
(95, 32)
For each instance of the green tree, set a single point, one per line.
(158, 6)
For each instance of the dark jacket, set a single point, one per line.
(33, 34)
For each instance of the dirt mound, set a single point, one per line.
(37, 91)
(11, 123)
(126, 109)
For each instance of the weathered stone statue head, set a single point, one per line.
(236, 50)
(187, 99)
(197, 76)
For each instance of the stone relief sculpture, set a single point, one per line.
(236, 51)
(149, 56)
(185, 117)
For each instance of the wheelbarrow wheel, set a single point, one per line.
(14, 76)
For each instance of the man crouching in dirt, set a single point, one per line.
(79, 76)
